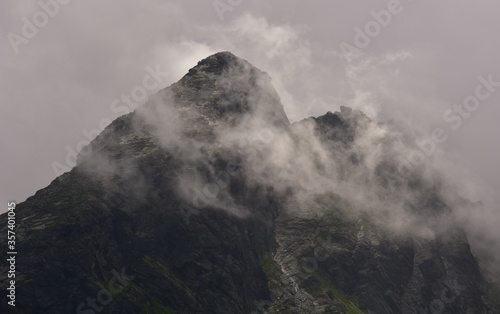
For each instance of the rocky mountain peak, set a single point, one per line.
(222, 88)
(217, 63)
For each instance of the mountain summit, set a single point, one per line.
(207, 200)
(223, 85)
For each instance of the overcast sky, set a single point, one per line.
(62, 75)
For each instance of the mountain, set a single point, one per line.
(208, 200)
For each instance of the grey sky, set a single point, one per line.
(65, 78)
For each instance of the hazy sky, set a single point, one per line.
(63, 73)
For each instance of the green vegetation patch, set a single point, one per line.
(153, 306)
(271, 268)
(325, 286)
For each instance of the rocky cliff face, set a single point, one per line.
(207, 200)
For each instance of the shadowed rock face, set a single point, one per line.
(166, 215)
